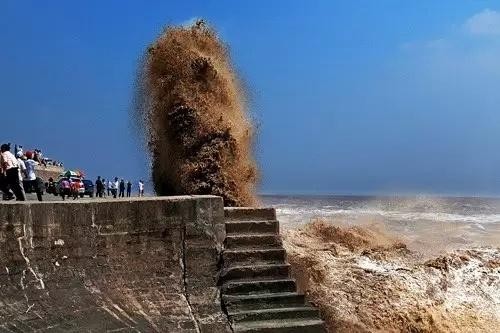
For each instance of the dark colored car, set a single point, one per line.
(89, 187)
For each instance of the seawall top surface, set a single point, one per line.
(106, 200)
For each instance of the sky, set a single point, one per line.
(350, 97)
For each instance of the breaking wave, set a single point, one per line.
(192, 108)
(365, 280)
(394, 215)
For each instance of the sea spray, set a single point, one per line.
(195, 117)
(364, 280)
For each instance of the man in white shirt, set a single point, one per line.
(22, 166)
(116, 183)
(141, 188)
(31, 179)
(10, 168)
(110, 188)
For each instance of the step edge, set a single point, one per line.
(279, 323)
(263, 295)
(257, 250)
(250, 281)
(275, 310)
(260, 266)
(270, 221)
(253, 234)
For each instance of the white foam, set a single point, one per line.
(310, 212)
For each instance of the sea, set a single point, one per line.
(396, 264)
(427, 224)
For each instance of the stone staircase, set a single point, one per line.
(257, 291)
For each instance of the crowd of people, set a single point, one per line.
(116, 188)
(17, 171)
(38, 156)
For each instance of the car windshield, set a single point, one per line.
(87, 182)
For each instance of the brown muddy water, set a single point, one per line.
(388, 264)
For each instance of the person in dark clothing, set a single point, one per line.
(122, 189)
(4, 187)
(129, 189)
(99, 187)
(10, 168)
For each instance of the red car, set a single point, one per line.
(78, 185)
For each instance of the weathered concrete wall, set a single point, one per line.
(142, 265)
(46, 172)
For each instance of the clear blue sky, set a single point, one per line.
(352, 96)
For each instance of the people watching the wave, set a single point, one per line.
(65, 189)
(129, 189)
(22, 166)
(141, 188)
(99, 187)
(10, 169)
(122, 189)
(104, 187)
(110, 187)
(116, 185)
(75, 187)
(31, 178)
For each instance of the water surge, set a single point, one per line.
(195, 117)
(364, 280)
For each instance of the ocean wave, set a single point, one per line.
(365, 280)
(310, 212)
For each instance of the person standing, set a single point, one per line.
(4, 187)
(122, 189)
(22, 166)
(110, 187)
(141, 188)
(98, 187)
(10, 168)
(75, 187)
(116, 184)
(31, 176)
(129, 188)
(19, 150)
(65, 188)
(104, 187)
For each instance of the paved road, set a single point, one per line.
(51, 197)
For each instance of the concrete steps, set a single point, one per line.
(251, 241)
(263, 226)
(249, 214)
(259, 286)
(255, 271)
(262, 301)
(276, 313)
(257, 291)
(281, 326)
(252, 256)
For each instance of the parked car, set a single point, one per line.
(89, 187)
(81, 189)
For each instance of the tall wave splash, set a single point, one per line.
(194, 112)
(364, 280)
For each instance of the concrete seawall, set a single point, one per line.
(142, 265)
